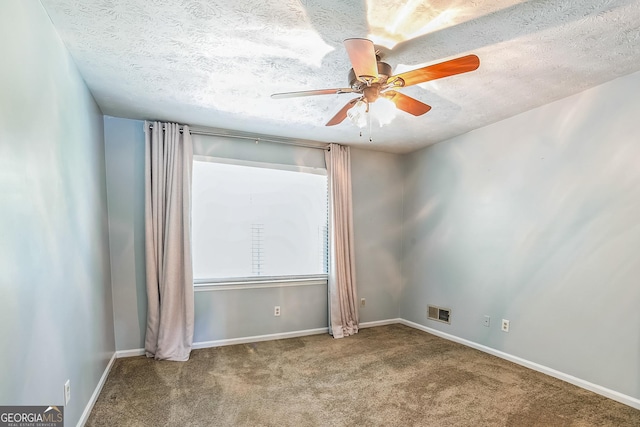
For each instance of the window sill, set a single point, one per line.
(249, 283)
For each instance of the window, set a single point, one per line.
(255, 222)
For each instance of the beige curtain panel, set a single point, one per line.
(168, 165)
(343, 310)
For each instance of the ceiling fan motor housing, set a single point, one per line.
(384, 71)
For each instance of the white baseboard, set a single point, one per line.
(269, 337)
(233, 341)
(373, 324)
(130, 353)
(243, 340)
(611, 394)
(94, 397)
(283, 335)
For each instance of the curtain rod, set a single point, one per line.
(196, 131)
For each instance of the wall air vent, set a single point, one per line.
(438, 313)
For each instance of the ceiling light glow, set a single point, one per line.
(384, 111)
(395, 23)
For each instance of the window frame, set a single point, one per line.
(261, 282)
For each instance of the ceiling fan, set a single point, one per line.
(372, 78)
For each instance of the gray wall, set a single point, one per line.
(249, 312)
(377, 217)
(536, 219)
(55, 306)
(124, 148)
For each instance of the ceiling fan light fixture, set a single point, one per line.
(358, 113)
(385, 111)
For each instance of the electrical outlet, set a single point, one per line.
(276, 310)
(67, 392)
(363, 302)
(487, 321)
(505, 325)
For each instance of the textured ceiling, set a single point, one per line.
(215, 63)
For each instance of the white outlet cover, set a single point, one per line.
(67, 392)
(505, 325)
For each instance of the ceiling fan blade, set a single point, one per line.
(362, 55)
(406, 103)
(311, 93)
(342, 114)
(460, 65)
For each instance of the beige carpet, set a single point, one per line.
(385, 376)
